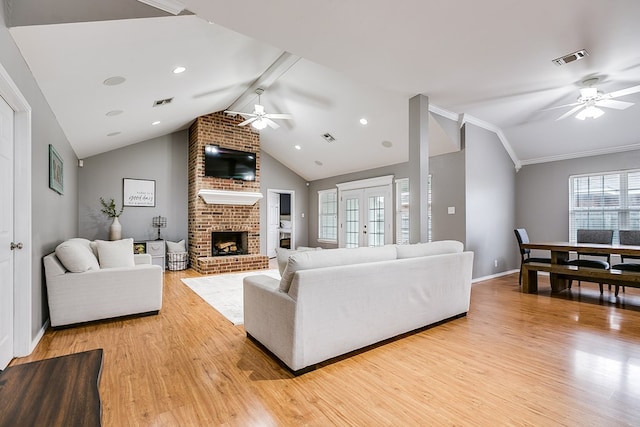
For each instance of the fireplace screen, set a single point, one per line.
(229, 243)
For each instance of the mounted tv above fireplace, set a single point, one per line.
(222, 162)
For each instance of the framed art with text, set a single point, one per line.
(139, 192)
(56, 171)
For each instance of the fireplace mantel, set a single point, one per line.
(223, 197)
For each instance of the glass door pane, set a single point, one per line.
(352, 223)
(376, 222)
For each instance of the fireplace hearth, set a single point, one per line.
(225, 243)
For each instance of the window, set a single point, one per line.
(609, 201)
(328, 216)
(402, 211)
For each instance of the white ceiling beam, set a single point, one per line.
(269, 77)
(169, 6)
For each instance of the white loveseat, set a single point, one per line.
(82, 289)
(331, 302)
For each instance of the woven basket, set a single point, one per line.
(177, 260)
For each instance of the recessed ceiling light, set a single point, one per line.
(318, 162)
(297, 147)
(387, 144)
(113, 81)
(113, 113)
(157, 122)
(179, 70)
(363, 121)
(114, 133)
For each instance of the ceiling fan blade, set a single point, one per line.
(610, 103)
(246, 122)
(271, 123)
(279, 116)
(562, 106)
(570, 112)
(623, 92)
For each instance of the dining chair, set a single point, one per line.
(628, 237)
(604, 237)
(525, 254)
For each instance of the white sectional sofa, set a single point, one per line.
(89, 281)
(331, 302)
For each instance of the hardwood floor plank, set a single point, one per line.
(515, 359)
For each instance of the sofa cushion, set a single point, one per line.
(283, 254)
(428, 249)
(176, 246)
(76, 256)
(118, 253)
(307, 260)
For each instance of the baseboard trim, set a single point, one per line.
(493, 276)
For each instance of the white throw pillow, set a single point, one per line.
(332, 257)
(118, 253)
(283, 254)
(76, 256)
(176, 246)
(428, 249)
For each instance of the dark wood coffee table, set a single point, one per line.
(62, 391)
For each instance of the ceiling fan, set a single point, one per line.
(591, 98)
(259, 119)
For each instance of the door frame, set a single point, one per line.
(22, 261)
(363, 184)
(293, 214)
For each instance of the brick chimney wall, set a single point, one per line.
(222, 130)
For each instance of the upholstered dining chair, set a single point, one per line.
(525, 254)
(627, 237)
(604, 237)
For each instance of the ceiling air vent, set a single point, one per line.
(328, 137)
(161, 102)
(571, 57)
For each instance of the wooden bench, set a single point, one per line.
(560, 274)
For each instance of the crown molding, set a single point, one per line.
(466, 118)
(581, 154)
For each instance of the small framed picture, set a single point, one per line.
(56, 171)
(139, 248)
(139, 192)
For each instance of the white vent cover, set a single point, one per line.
(162, 102)
(328, 137)
(571, 57)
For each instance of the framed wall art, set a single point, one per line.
(139, 192)
(56, 171)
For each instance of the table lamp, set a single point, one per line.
(159, 222)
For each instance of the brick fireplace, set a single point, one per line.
(224, 216)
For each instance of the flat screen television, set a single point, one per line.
(222, 162)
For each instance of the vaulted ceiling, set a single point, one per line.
(331, 63)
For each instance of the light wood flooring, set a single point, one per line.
(516, 359)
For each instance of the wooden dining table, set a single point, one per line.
(560, 273)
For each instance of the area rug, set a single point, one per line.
(224, 291)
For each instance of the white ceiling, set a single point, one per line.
(489, 59)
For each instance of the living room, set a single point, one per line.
(491, 192)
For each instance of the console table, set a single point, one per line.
(62, 391)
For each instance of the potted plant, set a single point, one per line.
(110, 210)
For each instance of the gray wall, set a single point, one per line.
(448, 189)
(399, 170)
(163, 159)
(490, 200)
(276, 176)
(542, 202)
(54, 216)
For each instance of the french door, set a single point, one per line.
(365, 217)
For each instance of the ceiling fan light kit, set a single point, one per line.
(259, 119)
(591, 98)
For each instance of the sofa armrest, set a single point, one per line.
(269, 315)
(140, 259)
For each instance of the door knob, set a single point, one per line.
(14, 246)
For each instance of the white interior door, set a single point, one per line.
(6, 233)
(273, 223)
(365, 217)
